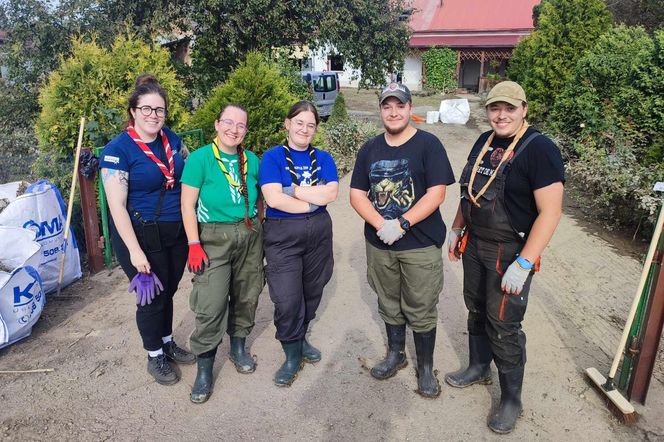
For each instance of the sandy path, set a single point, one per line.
(100, 389)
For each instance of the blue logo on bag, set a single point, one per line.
(45, 229)
(25, 293)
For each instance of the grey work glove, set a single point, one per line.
(390, 232)
(453, 239)
(313, 207)
(514, 278)
(290, 190)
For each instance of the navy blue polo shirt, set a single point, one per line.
(145, 177)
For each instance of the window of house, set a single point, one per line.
(336, 63)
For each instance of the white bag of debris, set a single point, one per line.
(42, 210)
(455, 111)
(21, 293)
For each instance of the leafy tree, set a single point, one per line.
(95, 83)
(440, 67)
(543, 62)
(367, 33)
(610, 117)
(647, 13)
(258, 86)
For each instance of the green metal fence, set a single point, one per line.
(193, 139)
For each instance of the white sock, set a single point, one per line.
(166, 339)
(154, 354)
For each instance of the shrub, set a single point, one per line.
(95, 83)
(344, 138)
(440, 67)
(544, 61)
(611, 121)
(257, 85)
(339, 112)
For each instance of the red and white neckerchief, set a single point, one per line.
(169, 172)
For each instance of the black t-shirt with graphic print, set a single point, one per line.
(396, 178)
(539, 165)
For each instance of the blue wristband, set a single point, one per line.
(524, 263)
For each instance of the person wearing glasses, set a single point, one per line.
(220, 208)
(141, 171)
(297, 181)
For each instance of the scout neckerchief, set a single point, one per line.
(291, 165)
(506, 155)
(217, 155)
(169, 172)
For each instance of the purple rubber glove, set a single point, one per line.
(147, 286)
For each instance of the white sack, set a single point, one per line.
(42, 210)
(21, 293)
(454, 111)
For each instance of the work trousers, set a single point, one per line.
(408, 284)
(299, 264)
(490, 311)
(155, 320)
(225, 296)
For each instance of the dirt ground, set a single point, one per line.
(99, 389)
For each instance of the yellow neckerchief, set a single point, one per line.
(505, 157)
(217, 155)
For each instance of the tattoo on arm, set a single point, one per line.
(122, 176)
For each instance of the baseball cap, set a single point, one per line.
(507, 91)
(400, 91)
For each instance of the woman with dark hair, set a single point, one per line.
(297, 181)
(220, 204)
(141, 171)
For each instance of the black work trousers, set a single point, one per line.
(491, 312)
(155, 320)
(299, 264)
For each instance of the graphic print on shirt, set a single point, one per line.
(491, 160)
(392, 190)
(202, 212)
(236, 196)
(304, 174)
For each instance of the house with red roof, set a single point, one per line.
(483, 33)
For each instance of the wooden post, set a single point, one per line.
(650, 337)
(458, 69)
(481, 68)
(90, 222)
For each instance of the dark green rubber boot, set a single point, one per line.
(479, 366)
(504, 419)
(427, 383)
(238, 355)
(288, 371)
(395, 359)
(202, 388)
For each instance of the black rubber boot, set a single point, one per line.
(395, 359)
(479, 366)
(202, 388)
(504, 419)
(242, 360)
(427, 383)
(310, 353)
(288, 371)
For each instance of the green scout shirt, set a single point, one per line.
(218, 200)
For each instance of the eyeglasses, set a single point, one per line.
(146, 111)
(299, 125)
(228, 123)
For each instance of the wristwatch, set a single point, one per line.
(404, 223)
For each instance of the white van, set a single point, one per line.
(325, 87)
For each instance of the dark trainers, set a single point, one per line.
(177, 354)
(161, 370)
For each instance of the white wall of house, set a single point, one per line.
(412, 72)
